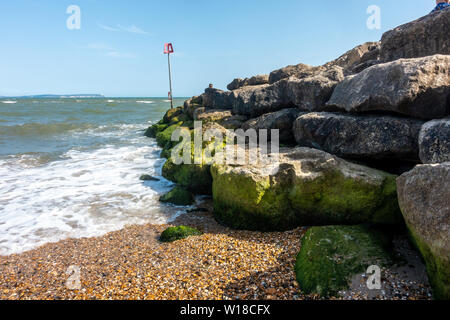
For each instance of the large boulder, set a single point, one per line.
(426, 36)
(312, 93)
(223, 117)
(280, 120)
(298, 71)
(217, 99)
(258, 100)
(330, 256)
(357, 58)
(306, 187)
(359, 137)
(195, 177)
(417, 87)
(172, 119)
(364, 53)
(434, 141)
(178, 196)
(191, 105)
(424, 197)
(253, 81)
(309, 93)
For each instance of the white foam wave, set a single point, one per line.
(145, 101)
(89, 193)
(9, 102)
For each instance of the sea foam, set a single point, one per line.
(87, 193)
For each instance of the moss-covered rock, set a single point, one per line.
(163, 138)
(153, 130)
(172, 117)
(424, 197)
(331, 255)
(307, 187)
(175, 115)
(178, 196)
(177, 233)
(196, 176)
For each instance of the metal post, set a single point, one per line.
(170, 81)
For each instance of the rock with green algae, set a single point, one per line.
(331, 255)
(306, 187)
(153, 130)
(164, 138)
(176, 115)
(424, 197)
(196, 177)
(177, 233)
(173, 117)
(178, 196)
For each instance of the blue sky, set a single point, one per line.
(118, 50)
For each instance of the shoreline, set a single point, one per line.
(132, 264)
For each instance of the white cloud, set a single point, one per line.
(107, 28)
(131, 29)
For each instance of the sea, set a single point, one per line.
(70, 168)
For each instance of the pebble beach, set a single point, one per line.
(132, 264)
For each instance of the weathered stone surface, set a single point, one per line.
(307, 187)
(331, 255)
(360, 137)
(309, 93)
(253, 81)
(298, 71)
(217, 99)
(312, 93)
(236, 84)
(282, 120)
(426, 36)
(417, 87)
(364, 54)
(434, 141)
(258, 80)
(223, 117)
(370, 58)
(191, 105)
(424, 197)
(257, 100)
(368, 51)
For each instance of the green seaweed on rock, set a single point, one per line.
(178, 196)
(178, 233)
(331, 255)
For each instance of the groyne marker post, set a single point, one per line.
(168, 49)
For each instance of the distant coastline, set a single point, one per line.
(53, 96)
